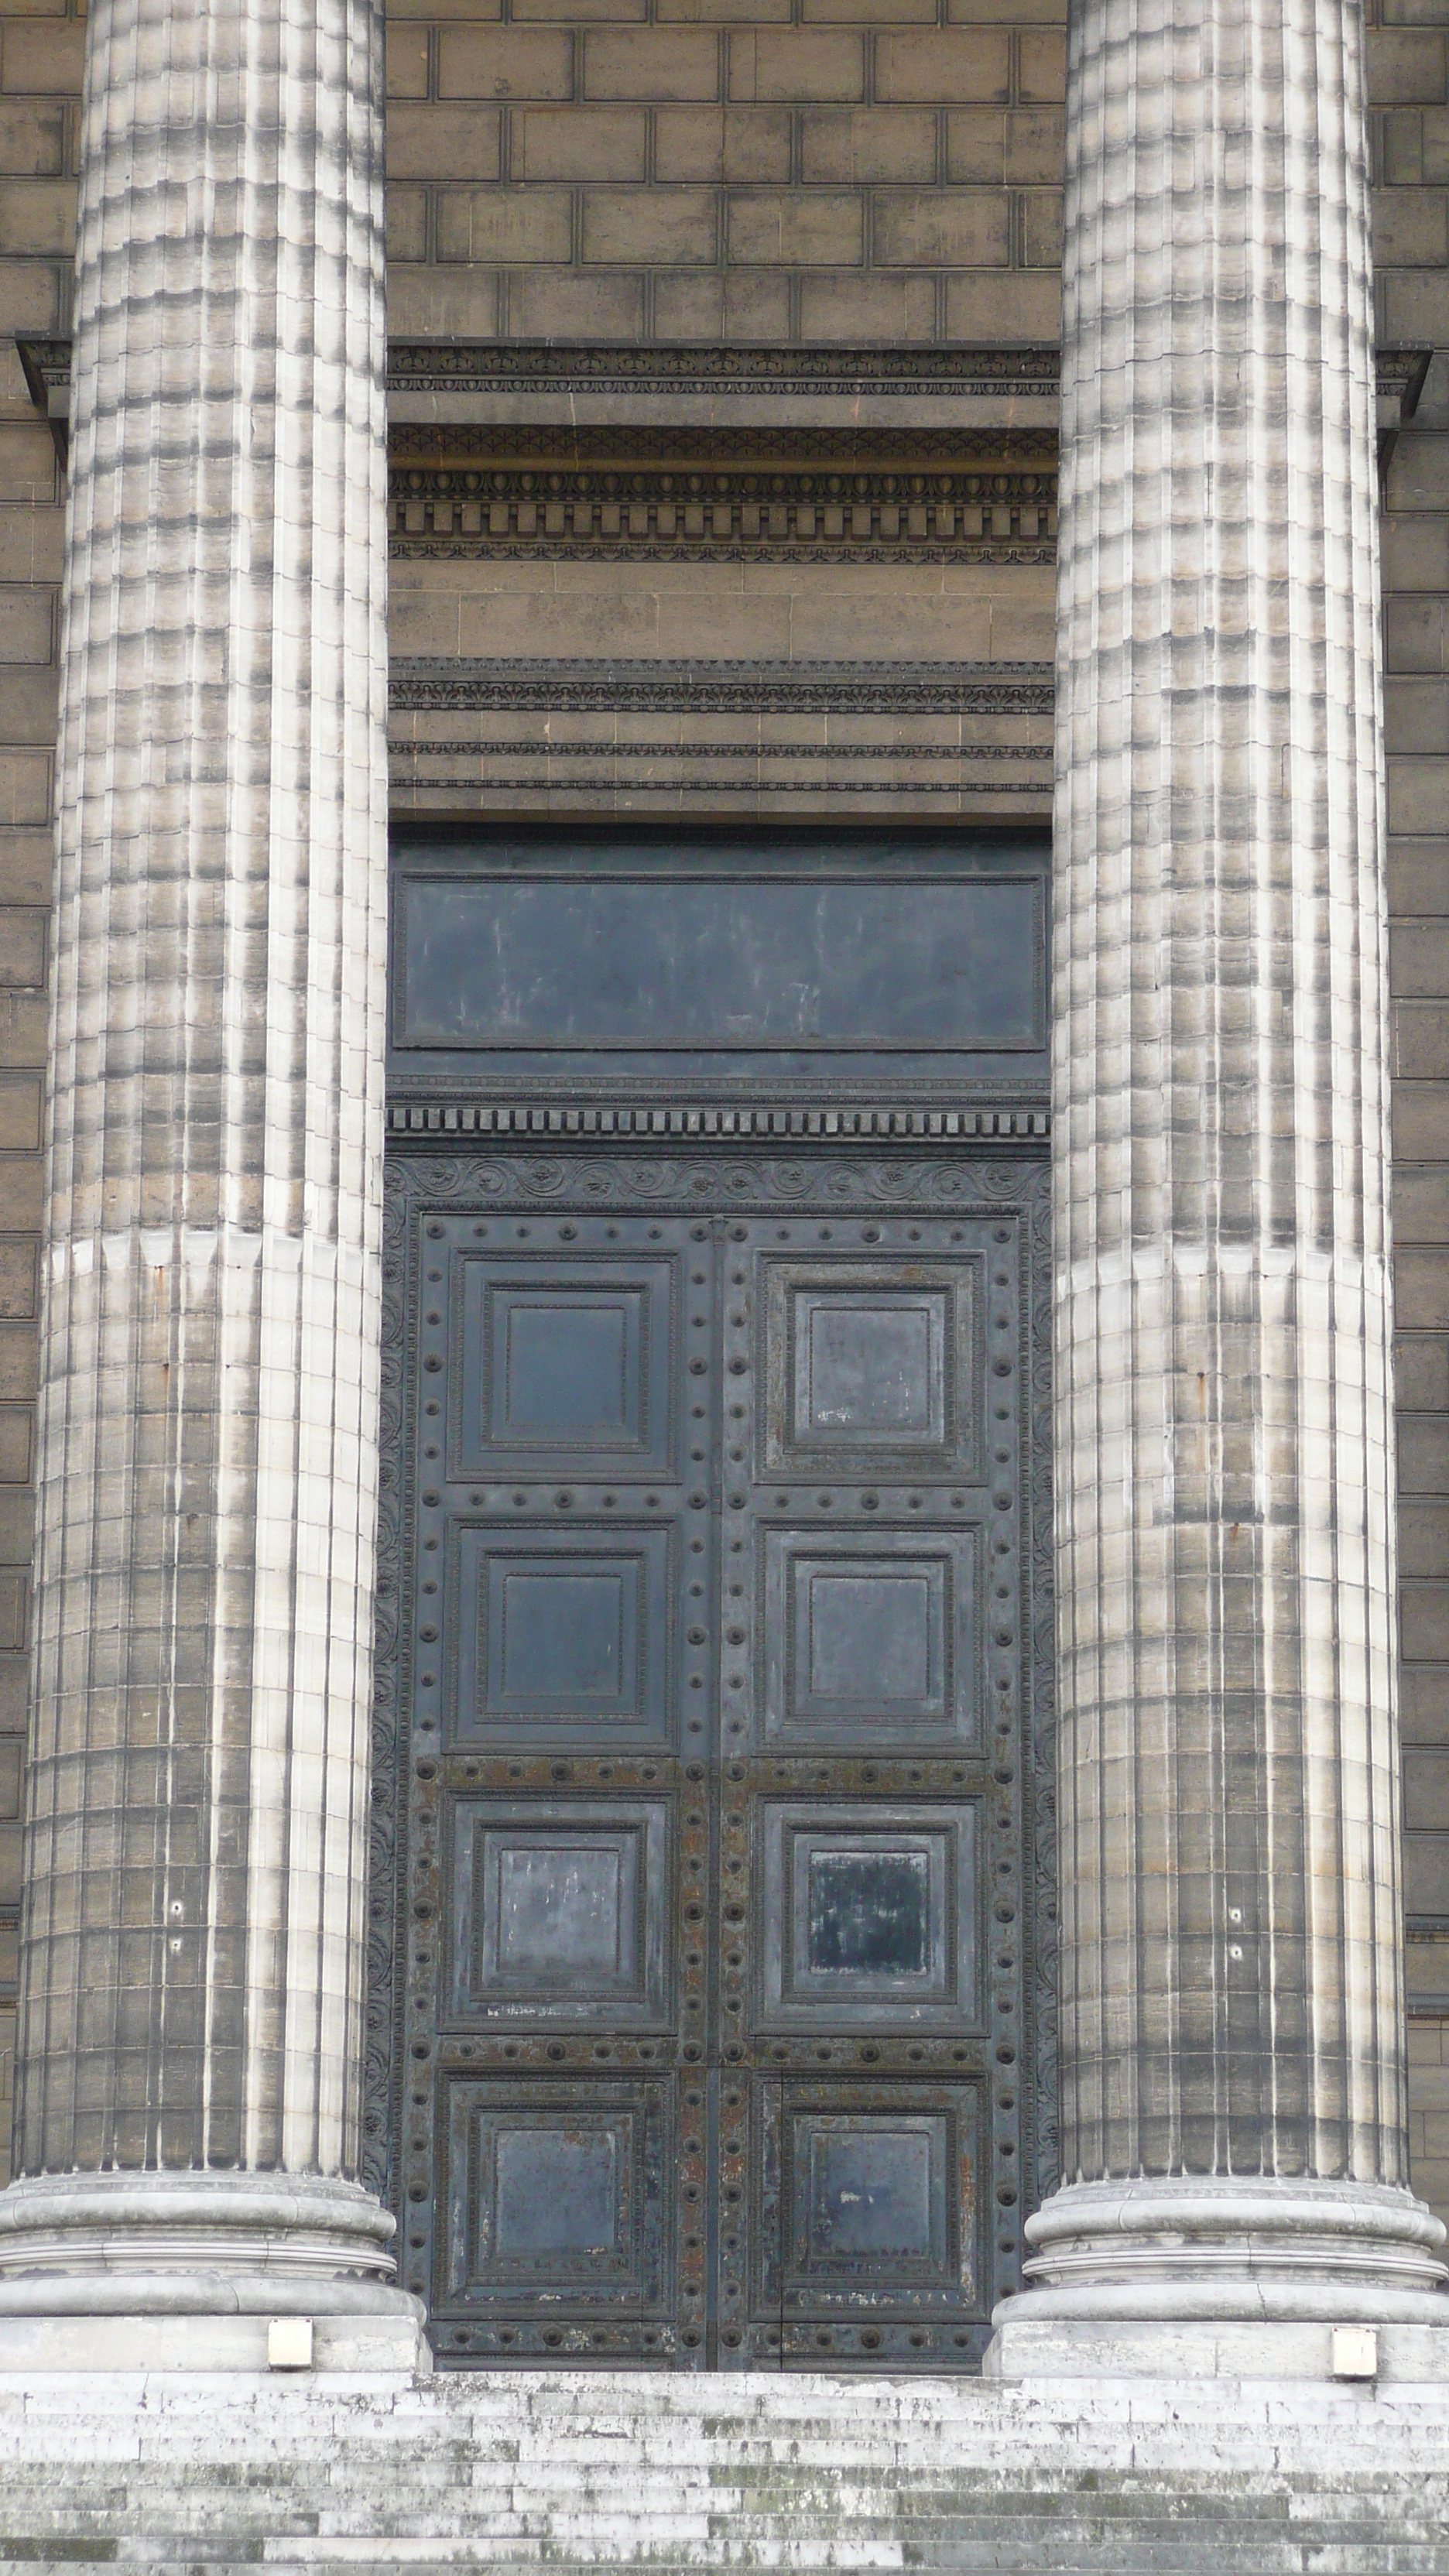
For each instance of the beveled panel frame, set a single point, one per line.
(795, 1717)
(934, 2294)
(630, 2112)
(479, 1990)
(474, 1667)
(481, 1280)
(794, 1997)
(790, 1285)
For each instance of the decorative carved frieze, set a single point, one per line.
(442, 684)
(457, 1117)
(431, 366)
(888, 499)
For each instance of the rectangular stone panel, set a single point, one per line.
(559, 1913)
(868, 1917)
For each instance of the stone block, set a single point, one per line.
(16, 1444)
(22, 946)
(1042, 228)
(1421, 1204)
(814, 64)
(665, 226)
(945, 67)
(1410, 227)
(821, 228)
(1426, 1873)
(29, 301)
(733, 143)
(1404, 67)
(1418, 480)
(1413, 306)
(442, 304)
(18, 1275)
(943, 228)
(27, 623)
(27, 861)
(32, 138)
(1424, 1540)
(869, 143)
(581, 143)
(1419, 1108)
(17, 1517)
(1434, 146)
(1413, 633)
(1402, 147)
(27, 462)
(14, 1637)
(436, 142)
(1426, 1788)
(987, 307)
(407, 222)
(1421, 1292)
(1421, 1373)
(37, 216)
(651, 64)
(507, 224)
(46, 55)
(30, 543)
(407, 62)
(1041, 68)
(1424, 1638)
(1416, 717)
(1418, 795)
(1424, 1454)
(874, 309)
(875, 13)
(1419, 961)
(507, 62)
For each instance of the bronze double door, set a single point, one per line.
(717, 2038)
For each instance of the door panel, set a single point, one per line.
(720, 1874)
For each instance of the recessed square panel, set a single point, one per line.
(869, 1368)
(879, 2199)
(561, 1630)
(553, 2195)
(870, 1637)
(868, 1916)
(867, 1913)
(560, 1363)
(559, 1911)
(871, 2192)
(566, 1367)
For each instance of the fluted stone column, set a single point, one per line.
(192, 1943)
(1233, 2122)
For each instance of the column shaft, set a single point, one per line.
(192, 1945)
(1232, 2009)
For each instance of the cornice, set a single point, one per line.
(422, 684)
(453, 366)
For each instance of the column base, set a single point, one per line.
(1202, 2274)
(1225, 2348)
(189, 2271)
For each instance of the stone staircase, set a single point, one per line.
(189, 2475)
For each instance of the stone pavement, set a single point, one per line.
(195, 2475)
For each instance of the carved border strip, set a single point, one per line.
(434, 1117)
(425, 684)
(432, 366)
(818, 751)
